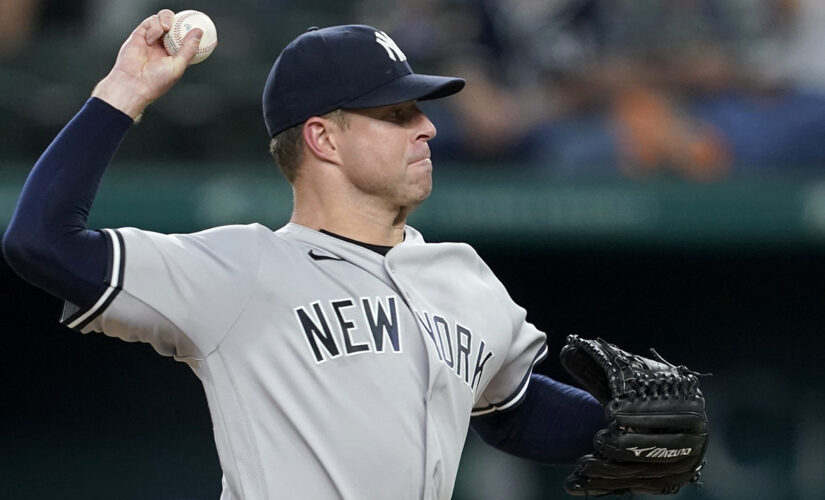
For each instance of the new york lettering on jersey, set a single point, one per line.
(350, 316)
(335, 328)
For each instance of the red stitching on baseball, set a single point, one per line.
(176, 31)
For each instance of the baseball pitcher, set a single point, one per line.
(342, 333)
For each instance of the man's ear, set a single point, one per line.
(320, 139)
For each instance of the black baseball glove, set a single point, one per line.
(657, 428)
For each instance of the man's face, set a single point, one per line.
(385, 153)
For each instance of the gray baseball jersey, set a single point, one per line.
(330, 371)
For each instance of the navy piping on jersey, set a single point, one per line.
(76, 318)
(518, 394)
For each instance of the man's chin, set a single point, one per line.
(419, 198)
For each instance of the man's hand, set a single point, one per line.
(143, 70)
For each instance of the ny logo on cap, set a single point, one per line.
(389, 45)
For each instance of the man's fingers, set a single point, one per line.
(157, 25)
(190, 44)
(153, 29)
(166, 17)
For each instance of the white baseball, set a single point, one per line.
(184, 21)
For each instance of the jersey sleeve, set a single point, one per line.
(180, 293)
(527, 348)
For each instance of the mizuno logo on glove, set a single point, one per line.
(655, 452)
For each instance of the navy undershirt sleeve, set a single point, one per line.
(554, 423)
(47, 242)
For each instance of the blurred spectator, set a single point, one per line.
(33, 102)
(20, 20)
(777, 121)
(60, 51)
(596, 86)
(679, 92)
(698, 89)
(16, 25)
(798, 54)
(633, 90)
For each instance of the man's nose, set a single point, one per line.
(426, 128)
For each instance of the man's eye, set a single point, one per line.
(398, 116)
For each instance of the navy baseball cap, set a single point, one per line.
(346, 67)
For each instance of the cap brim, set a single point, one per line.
(412, 87)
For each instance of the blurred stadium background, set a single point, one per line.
(650, 172)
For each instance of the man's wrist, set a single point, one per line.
(121, 96)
